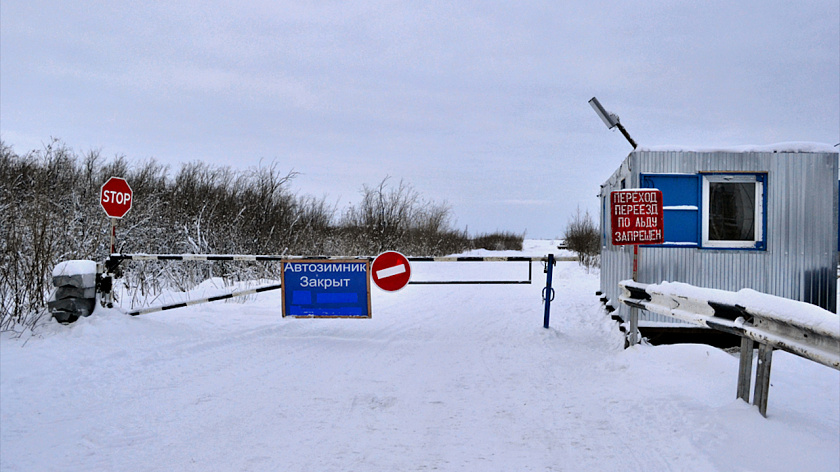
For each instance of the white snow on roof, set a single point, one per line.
(793, 147)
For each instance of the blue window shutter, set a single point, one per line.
(681, 202)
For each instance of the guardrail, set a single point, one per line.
(774, 323)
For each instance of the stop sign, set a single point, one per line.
(390, 271)
(115, 197)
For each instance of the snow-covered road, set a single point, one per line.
(441, 378)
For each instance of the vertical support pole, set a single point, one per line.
(745, 369)
(530, 267)
(762, 378)
(635, 263)
(113, 235)
(105, 282)
(108, 290)
(548, 292)
(634, 312)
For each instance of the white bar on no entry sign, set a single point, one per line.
(398, 269)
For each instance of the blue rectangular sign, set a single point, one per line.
(326, 288)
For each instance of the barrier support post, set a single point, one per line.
(548, 292)
(745, 369)
(762, 378)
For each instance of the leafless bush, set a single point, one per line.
(383, 217)
(499, 241)
(45, 218)
(582, 237)
(396, 218)
(50, 212)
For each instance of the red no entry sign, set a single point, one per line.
(637, 216)
(115, 197)
(390, 271)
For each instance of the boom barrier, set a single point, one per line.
(114, 260)
(238, 293)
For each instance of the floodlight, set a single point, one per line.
(610, 119)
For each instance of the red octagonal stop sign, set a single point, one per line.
(115, 197)
(390, 271)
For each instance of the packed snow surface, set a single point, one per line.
(442, 377)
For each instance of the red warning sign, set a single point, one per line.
(637, 217)
(115, 197)
(390, 271)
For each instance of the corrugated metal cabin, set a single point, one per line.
(764, 218)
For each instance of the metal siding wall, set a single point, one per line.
(801, 231)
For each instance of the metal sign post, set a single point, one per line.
(113, 235)
(115, 197)
(634, 312)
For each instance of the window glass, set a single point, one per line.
(732, 211)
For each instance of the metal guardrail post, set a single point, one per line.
(762, 378)
(634, 326)
(745, 369)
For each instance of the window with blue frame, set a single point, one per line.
(712, 210)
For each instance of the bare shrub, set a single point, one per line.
(50, 212)
(583, 237)
(383, 217)
(396, 218)
(42, 221)
(499, 241)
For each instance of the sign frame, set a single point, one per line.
(337, 300)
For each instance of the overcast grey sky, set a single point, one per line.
(480, 104)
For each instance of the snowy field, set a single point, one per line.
(442, 377)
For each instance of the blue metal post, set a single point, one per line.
(548, 292)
